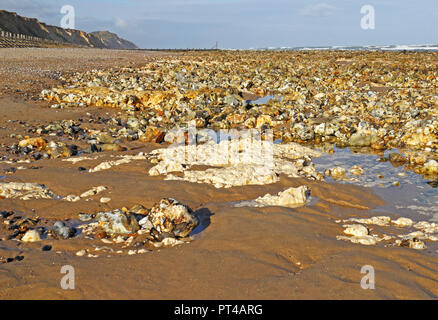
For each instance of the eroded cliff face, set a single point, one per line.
(12, 22)
(112, 40)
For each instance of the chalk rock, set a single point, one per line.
(146, 224)
(105, 200)
(236, 162)
(61, 230)
(336, 173)
(24, 191)
(72, 198)
(108, 164)
(362, 138)
(172, 218)
(291, 197)
(365, 240)
(175, 136)
(31, 236)
(427, 227)
(168, 242)
(230, 176)
(118, 222)
(81, 253)
(413, 243)
(379, 220)
(166, 166)
(356, 170)
(431, 167)
(403, 222)
(357, 230)
(85, 217)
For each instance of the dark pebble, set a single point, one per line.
(47, 248)
(10, 170)
(37, 156)
(5, 214)
(40, 230)
(433, 184)
(12, 236)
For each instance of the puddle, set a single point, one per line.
(203, 215)
(264, 100)
(254, 204)
(414, 197)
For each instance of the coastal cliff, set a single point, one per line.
(16, 24)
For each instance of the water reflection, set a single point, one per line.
(405, 192)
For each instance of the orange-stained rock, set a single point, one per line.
(152, 134)
(39, 143)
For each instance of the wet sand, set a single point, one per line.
(242, 253)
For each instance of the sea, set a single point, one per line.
(421, 47)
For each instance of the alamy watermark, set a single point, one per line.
(68, 281)
(68, 20)
(221, 148)
(368, 281)
(368, 21)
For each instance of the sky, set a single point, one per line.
(244, 24)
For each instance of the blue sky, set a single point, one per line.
(244, 23)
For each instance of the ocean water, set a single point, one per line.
(421, 47)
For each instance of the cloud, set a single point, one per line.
(47, 11)
(120, 23)
(318, 10)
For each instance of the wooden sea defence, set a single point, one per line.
(14, 40)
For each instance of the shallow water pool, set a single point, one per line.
(405, 192)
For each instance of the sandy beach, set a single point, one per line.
(235, 252)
